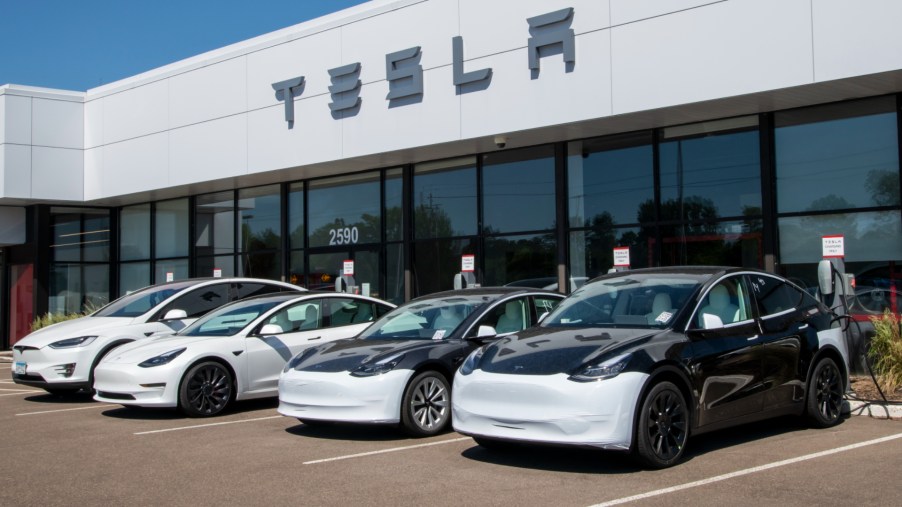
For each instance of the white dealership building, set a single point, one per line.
(536, 136)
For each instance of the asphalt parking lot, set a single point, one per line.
(75, 451)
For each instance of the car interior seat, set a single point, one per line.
(310, 318)
(448, 319)
(719, 305)
(659, 305)
(512, 318)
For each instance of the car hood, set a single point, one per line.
(142, 350)
(346, 355)
(548, 351)
(82, 326)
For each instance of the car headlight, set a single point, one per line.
(609, 368)
(164, 358)
(472, 361)
(81, 341)
(298, 359)
(378, 367)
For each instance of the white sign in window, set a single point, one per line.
(468, 263)
(622, 256)
(217, 273)
(348, 268)
(833, 246)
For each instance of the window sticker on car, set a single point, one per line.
(664, 317)
(439, 334)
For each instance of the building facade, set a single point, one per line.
(536, 136)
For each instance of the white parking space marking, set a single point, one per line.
(21, 390)
(20, 393)
(748, 471)
(62, 410)
(383, 451)
(208, 425)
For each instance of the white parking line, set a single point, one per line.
(21, 390)
(383, 451)
(63, 410)
(20, 393)
(748, 471)
(208, 425)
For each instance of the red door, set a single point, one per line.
(21, 301)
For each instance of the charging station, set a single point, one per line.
(466, 278)
(836, 288)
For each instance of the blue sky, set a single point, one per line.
(81, 44)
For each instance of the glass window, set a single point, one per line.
(773, 295)
(715, 176)
(199, 301)
(178, 268)
(77, 288)
(171, 228)
(250, 289)
(726, 303)
(592, 251)
(80, 234)
(839, 156)
(302, 316)
(207, 266)
(715, 244)
(544, 305)
(260, 218)
(506, 318)
(215, 222)
(347, 311)
(394, 205)
(133, 276)
(296, 215)
(261, 265)
(518, 190)
(444, 199)
(869, 237)
(394, 274)
(610, 179)
(296, 270)
(513, 259)
(230, 320)
(345, 210)
(134, 232)
(436, 262)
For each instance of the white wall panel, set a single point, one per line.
(430, 25)
(628, 11)
(136, 112)
(310, 57)
(316, 137)
(207, 93)
(16, 119)
(379, 128)
(57, 123)
(94, 123)
(135, 165)
(3, 119)
(712, 52)
(208, 151)
(855, 38)
(93, 184)
(57, 173)
(498, 26)
(516, 102)
(16, 161)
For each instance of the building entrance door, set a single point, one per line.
(325, 266)
(21, 301)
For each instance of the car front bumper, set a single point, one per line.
(50, 368)
(547, 408)
(343, 397)
(128, 384)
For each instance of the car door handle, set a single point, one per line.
(803, 326)
(752, 338)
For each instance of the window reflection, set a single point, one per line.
(713, 244)
(435, 262)
(518, 190)
(592, 251)
(345, 210)
(517, 258)
(444, 199)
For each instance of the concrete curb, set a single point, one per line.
(877, 410)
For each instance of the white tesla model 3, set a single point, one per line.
(234, 353)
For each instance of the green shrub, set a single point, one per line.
(886, 351)
(52, 318)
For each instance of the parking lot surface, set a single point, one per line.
(76, 451)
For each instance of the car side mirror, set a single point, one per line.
(270, 329)
(175, 314)
(712, 321)
(486, 332)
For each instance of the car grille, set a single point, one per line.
(115, 396)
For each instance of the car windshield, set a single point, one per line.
(647, 300)
(230, 319)
(425, 319)
(141, 301)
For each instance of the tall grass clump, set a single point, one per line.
(885, 351)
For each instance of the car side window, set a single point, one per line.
(302, 316)
(347, 311)
(544, 305)
(727, 302)
(505, 318)
(246, 290)
(773, 295)
(199, 301)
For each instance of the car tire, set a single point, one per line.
(426, 406)
(825, 394)
(205, 390)
(662, 426)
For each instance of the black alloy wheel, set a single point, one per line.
(663, 426)
(205, 390)
(426, 409)
(825, 394)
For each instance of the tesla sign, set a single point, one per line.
(404, 72)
